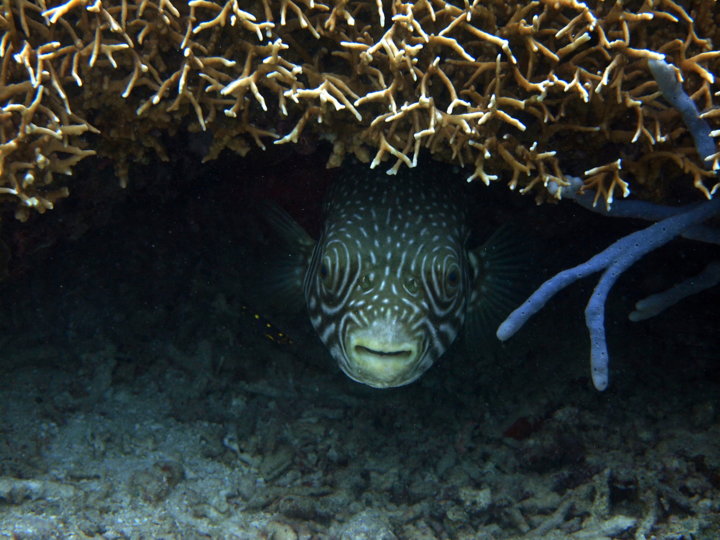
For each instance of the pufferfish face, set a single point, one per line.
(386, 314)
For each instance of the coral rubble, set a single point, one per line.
(527, 91)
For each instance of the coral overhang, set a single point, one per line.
(522, 91)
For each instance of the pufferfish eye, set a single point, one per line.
(324, 272)
(453, 278)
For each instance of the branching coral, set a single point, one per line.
(507, 88)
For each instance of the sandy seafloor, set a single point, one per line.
(139, 399)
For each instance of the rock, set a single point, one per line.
(367, 525)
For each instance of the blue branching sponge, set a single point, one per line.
(666, 77)
(613, 261)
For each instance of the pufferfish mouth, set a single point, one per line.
(382, 363)
(402, 353)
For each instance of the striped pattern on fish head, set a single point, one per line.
(387, 284)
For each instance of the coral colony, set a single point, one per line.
(558, 98)
(506, 89)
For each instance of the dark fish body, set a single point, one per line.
(390, 282)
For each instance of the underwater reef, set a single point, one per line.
(146, 391)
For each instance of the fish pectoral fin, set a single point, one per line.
(278, 283)
(500, 282)
(287, 229)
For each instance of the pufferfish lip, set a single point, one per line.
(401, 353)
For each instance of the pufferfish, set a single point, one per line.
(391, 281)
